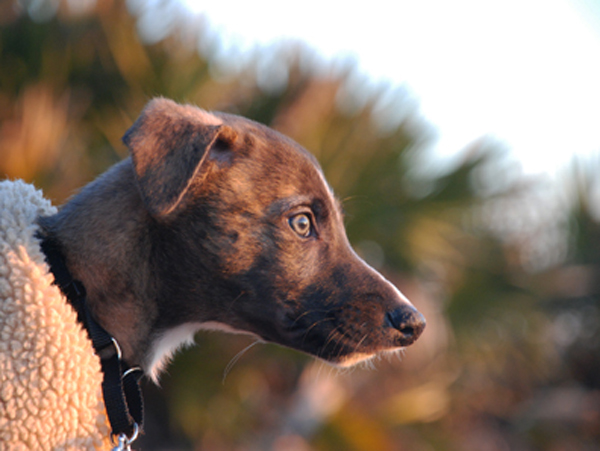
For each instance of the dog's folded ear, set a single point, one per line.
(168, 144)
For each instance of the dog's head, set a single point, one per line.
(256, 239)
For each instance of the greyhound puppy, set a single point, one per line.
(216, 221)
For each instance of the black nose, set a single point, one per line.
(408, 322)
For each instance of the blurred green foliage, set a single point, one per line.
(508, 278)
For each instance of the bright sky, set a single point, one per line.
(525, 71)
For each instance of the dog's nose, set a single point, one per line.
(408, 322)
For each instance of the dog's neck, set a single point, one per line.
(101, 254)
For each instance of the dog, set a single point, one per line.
(218, 222)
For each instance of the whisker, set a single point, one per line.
(316, 323)
(322, 365)
(235, 359)
(235, 300)
(308, 312)
(330, 337)
(334, 371)
(352, 198)
(340, 343)
(360, 342)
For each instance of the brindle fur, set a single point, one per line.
(194, 229)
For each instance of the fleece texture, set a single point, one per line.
(50, 378)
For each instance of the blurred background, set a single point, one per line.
(498, 248)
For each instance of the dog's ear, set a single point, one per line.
(168, 144)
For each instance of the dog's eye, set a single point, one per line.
(301, 224)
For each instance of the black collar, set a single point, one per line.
(120, 385)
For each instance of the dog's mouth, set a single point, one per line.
(346, 336)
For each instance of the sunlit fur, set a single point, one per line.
(192, 232)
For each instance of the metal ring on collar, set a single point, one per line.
(133, 369)
(116, 343)
(123, 441)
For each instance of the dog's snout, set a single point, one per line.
(408, 322)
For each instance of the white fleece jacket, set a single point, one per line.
(50, 378)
